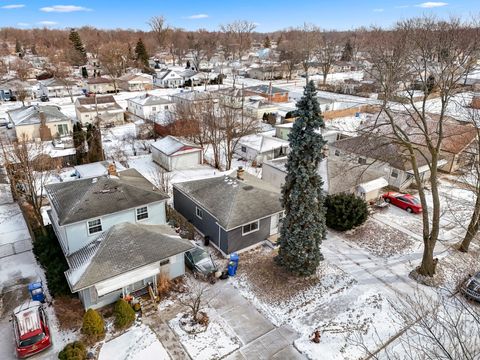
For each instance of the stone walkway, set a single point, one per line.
(168, 338)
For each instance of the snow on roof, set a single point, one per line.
(373, 185)
(95, 169)
(148, 100)
(27, 115)
(171, 144)
(262, 143)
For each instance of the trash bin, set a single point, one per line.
(206, 240)
(232, 268)
(234, 258)
(36, 291)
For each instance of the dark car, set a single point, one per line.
(472, 287)
(44, 98)
(200, 262)
(404, 201)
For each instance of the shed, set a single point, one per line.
(174, 153)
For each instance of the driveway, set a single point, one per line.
(260, 338)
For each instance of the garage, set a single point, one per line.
(173, 153)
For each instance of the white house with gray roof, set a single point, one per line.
(147, 106)
(27, 122)
(236, 213)
(112, 230)
(173, 153)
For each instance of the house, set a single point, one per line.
(457, 136)
(88, 108)
(268, 72)
(167, 79)
(260, 147)
(147, 106)
(383, 154)
(258, 106)
(271, 93)
(40, 122)
(59, 88)
(174, 153)
(136, 82)
(283, 130)
(11, 88)
(338, 176)
(235, 213)
(100, 85)
(112, 230)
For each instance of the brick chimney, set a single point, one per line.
(112, 169)
(240, 172)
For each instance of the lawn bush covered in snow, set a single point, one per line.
(93, 327)
(345, 211)
(73, 351)
(124, 314)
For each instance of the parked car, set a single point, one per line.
(404, 201)
(44, 98)
(200, 261)
(472, 287)
(30, 327)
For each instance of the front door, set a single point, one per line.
(274, 224)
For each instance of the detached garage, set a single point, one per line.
(174, 153)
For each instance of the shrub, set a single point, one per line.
(93, 326)
(124, 314)
(49, 254)
(73, 351)
(176, 219)
(345, 211)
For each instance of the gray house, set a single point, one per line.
(236, 213)
(114, 235)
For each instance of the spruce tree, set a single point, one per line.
(18, 47)
(84, 72)
(78, 56)
(303, 227)
(347, 53)
(141, 53)
(267, 43)
(79, 137)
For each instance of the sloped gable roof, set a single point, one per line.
(170, 145)
(232, 202)
(125, 247)
(85, 199)
(28, 115)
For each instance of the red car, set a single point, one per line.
(30, 327)
(404, 201)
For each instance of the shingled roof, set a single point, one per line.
(125, 247)
(90, 198)
(232, 202)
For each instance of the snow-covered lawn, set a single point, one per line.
(215, 343)
(138, 343)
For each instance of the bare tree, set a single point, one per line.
(325, 53)
(290, 54)
(60, 70)
(160, 29)
(114, 60)
(161, 179)
(435, 55)
(21, 68)
(194, 301)
(241, 32)
(447, 327)
(21, 94)
(29, 167)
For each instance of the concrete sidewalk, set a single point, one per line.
(260, 338)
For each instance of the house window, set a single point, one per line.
(62, 129)
(337, 153)
(166, 107)
(94, 226)
(142, 213)
(199, 213)
(244, 149)
(154, 108)
(362, 161)
(249, 228)
(394, 173)
(164, 262)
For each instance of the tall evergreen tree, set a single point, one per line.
(18, 47)
(347, 53)
(78, 56)
(94, 141)
(303, 227)
(141, 53)
(267, 43)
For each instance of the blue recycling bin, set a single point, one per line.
(36, 291)
(232, 268)
(234, 258)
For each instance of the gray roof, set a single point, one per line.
(85, 199)
(379, 148)
(266, 89)
(92, 100)
(28, 115)
(232, 202)
(150, 100)
(123, 248)
(170, 145)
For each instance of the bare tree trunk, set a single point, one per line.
(472, 228)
